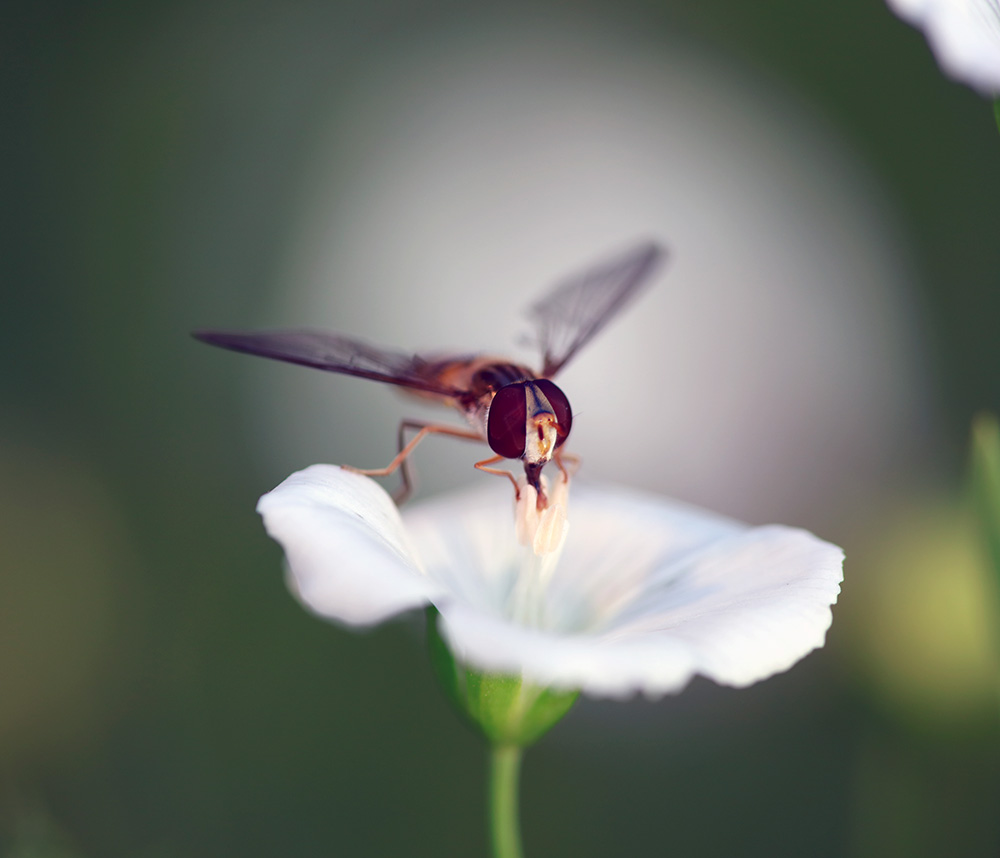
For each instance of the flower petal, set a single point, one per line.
(647, 594)
(964, 35)
(348, 555)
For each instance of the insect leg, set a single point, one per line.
(405, 469)
(405, 488)
(483, 466)
(573, 459)
(405, 450)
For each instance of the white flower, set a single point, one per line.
(964, 35)
(641, 595)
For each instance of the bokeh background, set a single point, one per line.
(416, 173)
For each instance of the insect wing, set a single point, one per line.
(333, 353)
(581, 306)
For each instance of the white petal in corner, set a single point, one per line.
(347, 552)
(964, 35)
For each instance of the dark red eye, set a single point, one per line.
(560, 406)
(506, 421)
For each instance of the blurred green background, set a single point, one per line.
(162, 694)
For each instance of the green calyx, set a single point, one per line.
(506, 709)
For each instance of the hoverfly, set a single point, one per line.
(520, 413)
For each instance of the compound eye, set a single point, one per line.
(560, 407)
(507, 420)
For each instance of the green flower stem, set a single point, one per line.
(986, 488)
(996, 112)
(505, 829)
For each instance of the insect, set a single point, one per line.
(520, 413)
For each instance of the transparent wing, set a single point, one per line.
(581, 306)
(333, 353)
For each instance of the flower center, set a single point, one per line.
(543, 530)
(541, 535)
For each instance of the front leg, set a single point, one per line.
(484, 466)
(561, 458)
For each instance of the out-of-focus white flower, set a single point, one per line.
(641, 595)
(964, 35)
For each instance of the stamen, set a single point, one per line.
(543, 529)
